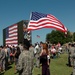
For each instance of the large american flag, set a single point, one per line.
(12, 35)
(40, 20)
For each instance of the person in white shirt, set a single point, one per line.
(53, 51)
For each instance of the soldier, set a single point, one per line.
(37, 56)
(2, 58)
(31, 49)
(21, 47)
(25, 64)
(73, 57)
(71, 52)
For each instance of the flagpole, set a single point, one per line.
(29, 18)
(27, 27)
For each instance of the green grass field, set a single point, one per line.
(57, 67)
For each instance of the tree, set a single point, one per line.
(74, 36)
(56, 36)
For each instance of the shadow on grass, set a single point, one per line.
(2, 73)
(9, 67)
(68, 65)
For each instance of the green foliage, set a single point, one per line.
(74, 36)
(56, 36)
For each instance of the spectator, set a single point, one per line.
(44, 60)
(21, 47)
(16, 55)
(25, 64)
(31, 49)
(53, 52)
(37, 55)
(2, 58)
(9, 51)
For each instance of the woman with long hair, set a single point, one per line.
(44, 60)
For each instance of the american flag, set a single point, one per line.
(40, 20)
(38, 36)
(12, 35)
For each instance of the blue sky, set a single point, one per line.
(13, 11)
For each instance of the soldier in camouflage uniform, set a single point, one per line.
(25, 62)
(73, 58)
(71, 52)
(31, 49)
(37, 56)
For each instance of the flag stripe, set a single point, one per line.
(13, 27)
(14, 34)
(45, 23)
(50, 26)
(40, 21)
(12, 38)
(11, 42)
(14, 30)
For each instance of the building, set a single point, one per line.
(16, 34)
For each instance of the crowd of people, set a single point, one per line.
(8, 55)
(27, 57)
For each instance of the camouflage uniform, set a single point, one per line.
(37, 56)
(73, 57)
(25, 64)
(74, 67)
(71, 51)
(31, 49)
(2, 59)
